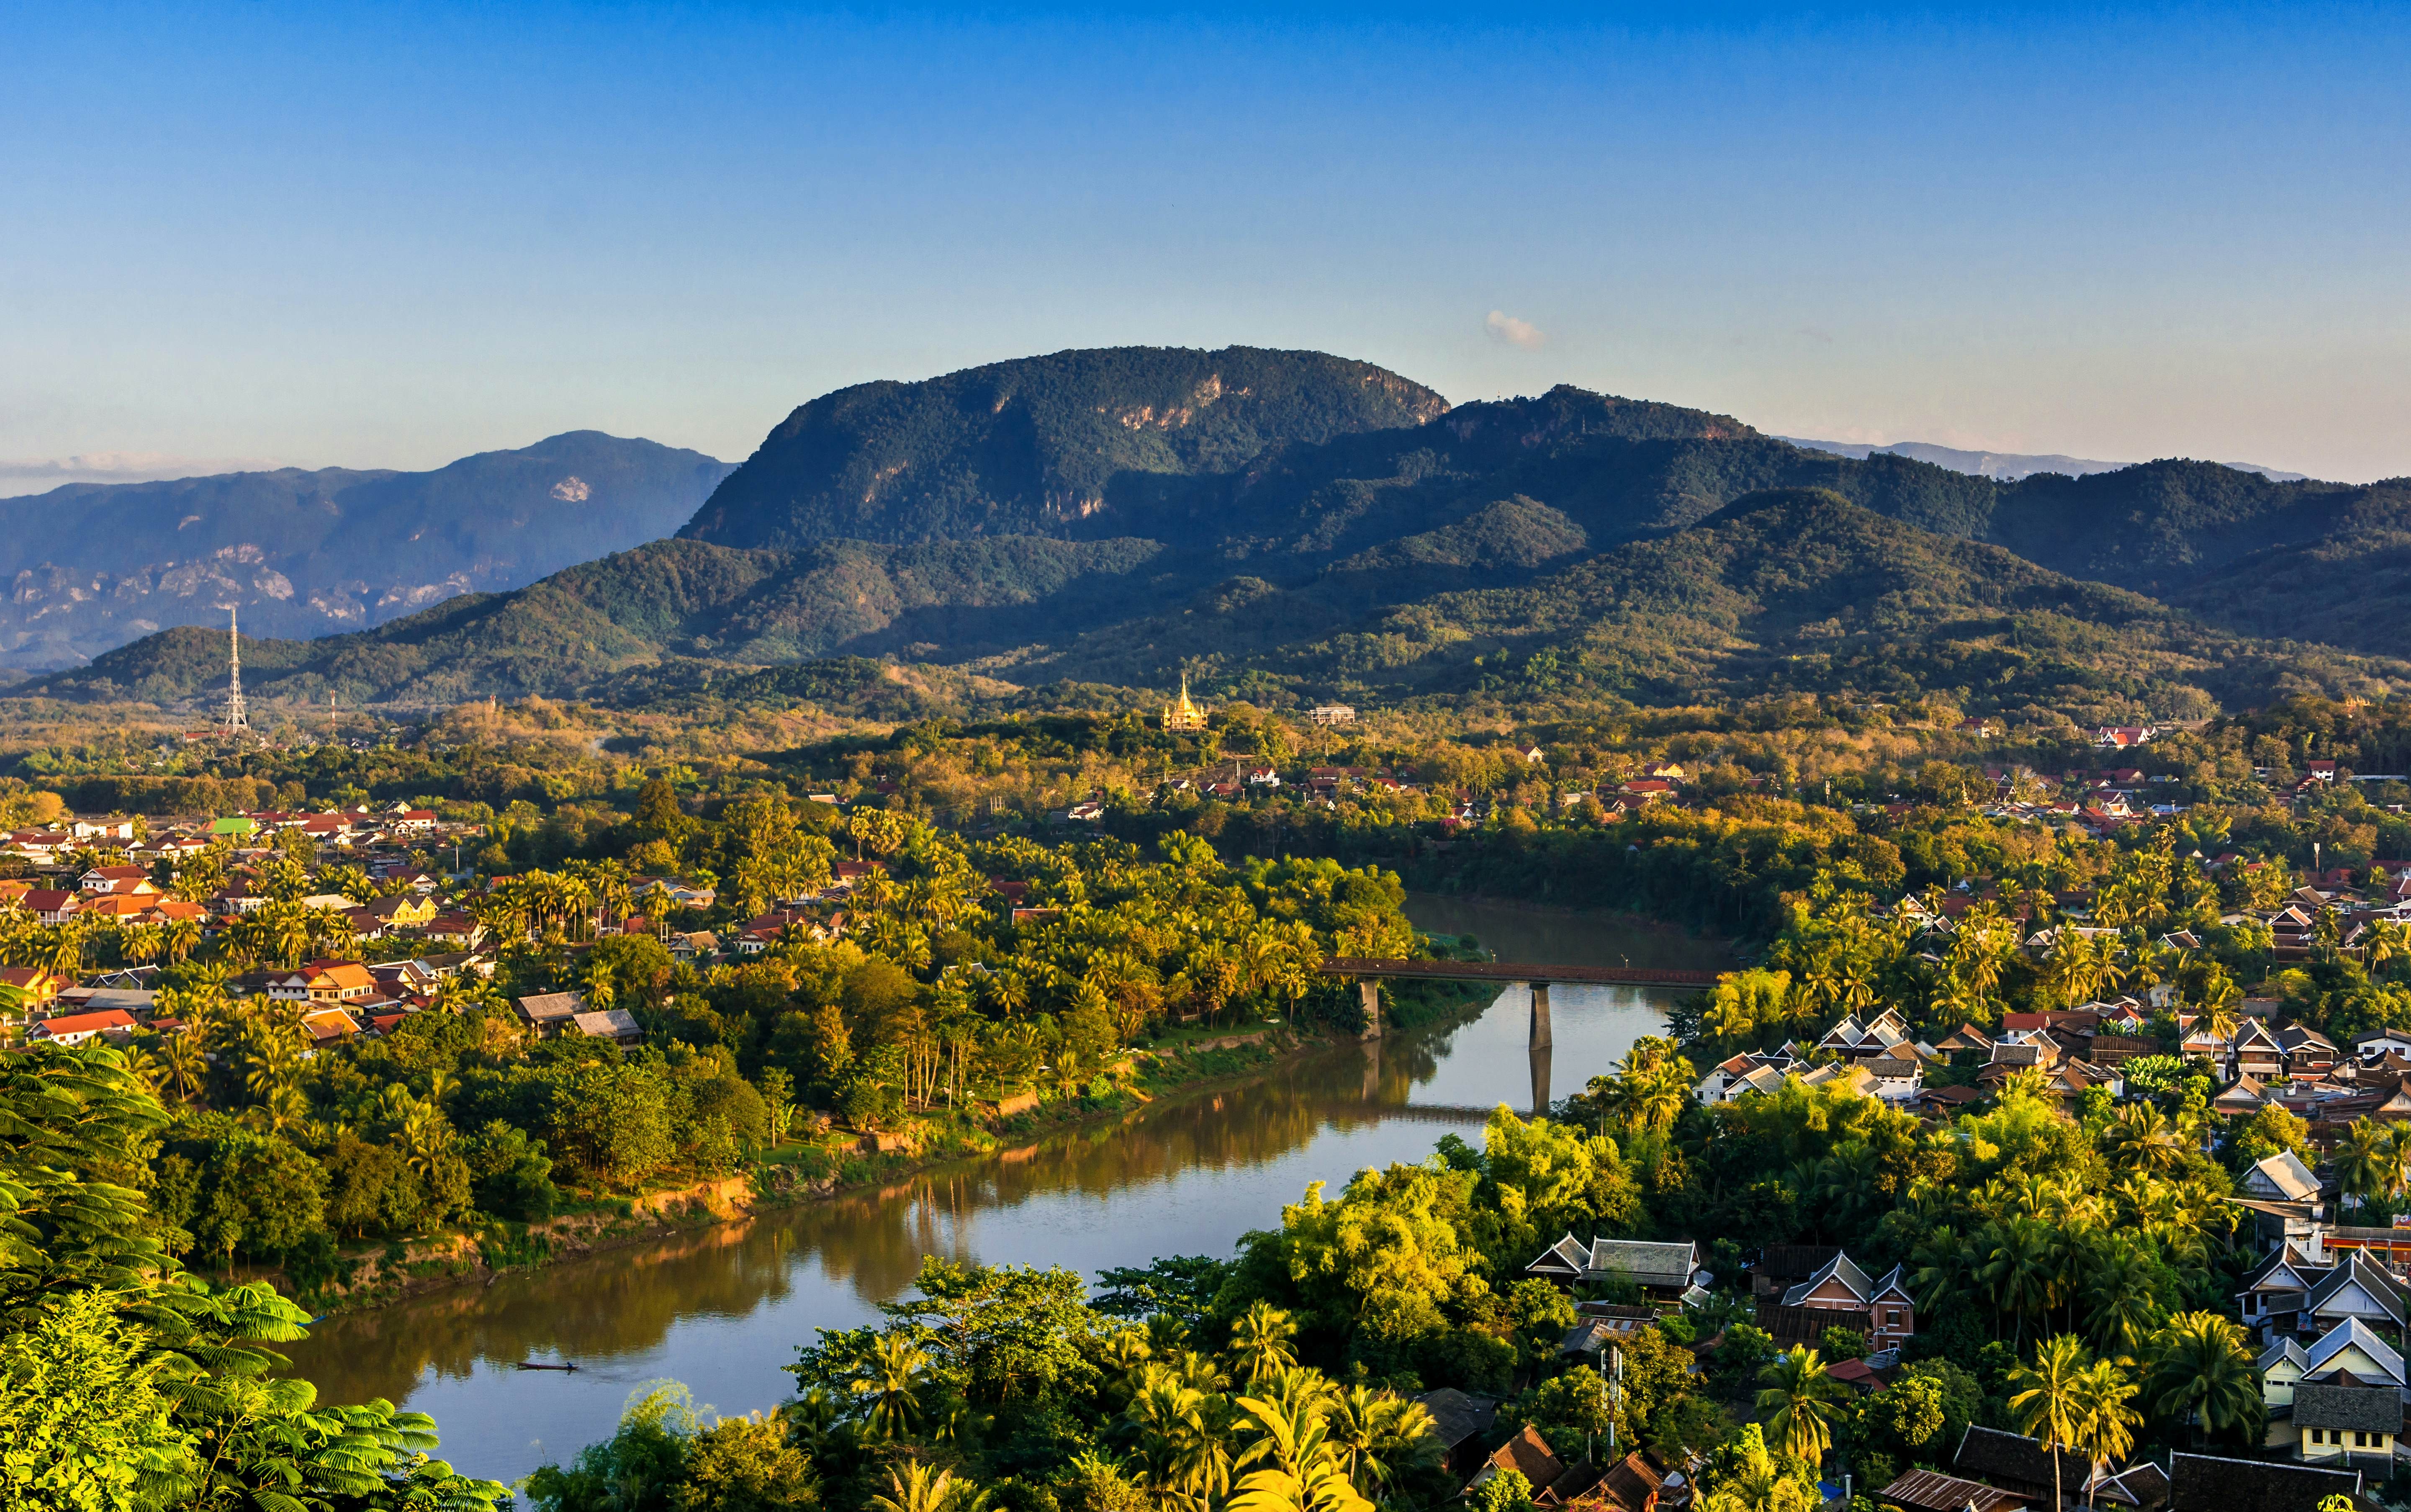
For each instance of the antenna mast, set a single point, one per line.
(236, 722)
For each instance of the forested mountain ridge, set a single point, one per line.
(302, 552)
(1034, 446)
(1247, 513)
(1788, 590)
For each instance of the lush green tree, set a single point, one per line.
(2048, 1398)
(1802, 1402)
(83, 1422)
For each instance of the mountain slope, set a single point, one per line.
(668, 600)
(1111, 515)
(1790, 591)
(1786, 590)
(1034, 445)
(94, 565)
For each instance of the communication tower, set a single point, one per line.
(236, 722)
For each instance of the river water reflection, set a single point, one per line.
(723, 1309)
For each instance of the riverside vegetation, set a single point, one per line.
(948, 605)
(2084, 1254)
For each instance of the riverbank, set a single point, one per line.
(722, 1305)
(838, 1163)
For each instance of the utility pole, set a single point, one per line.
(237, 723)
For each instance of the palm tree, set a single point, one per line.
(2021, 1268)
(2143, 1137)
(271, 1054)
(181, 1055)
(1945, 1263)
(183, 936)
(59, 951)
(2363, 1167)
(139, 942)
(150, 1068)
(2389, 940)
(1798, 1394)
(2118, 1295)
(2220, 997)
(1180, 1438)
(2201, 1368)
(1652, 1087)
(1378, 1433)
(1260, 1342)
(2106, 1425)
(892, 1375)
(915, 1487)
(2049, 1401)
(1301, 1472)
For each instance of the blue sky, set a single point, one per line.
(389, 235)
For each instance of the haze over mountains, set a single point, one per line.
(93, 566)
(2008, 466)
(1304, 524)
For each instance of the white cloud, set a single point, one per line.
(35, 474)
(1506, 329)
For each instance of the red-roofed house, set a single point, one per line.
(76, 1028)
(51, 905)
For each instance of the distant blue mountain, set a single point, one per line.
(308, 553)
(2009, 466)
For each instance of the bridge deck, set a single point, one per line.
(1510, 970)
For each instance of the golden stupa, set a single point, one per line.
(1184, 716)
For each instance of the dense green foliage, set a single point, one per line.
(1027, 446)
(127, 1383)
(1112, 515)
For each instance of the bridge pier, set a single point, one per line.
(1541, 1037)
(1540, 1056)
(1369, 993)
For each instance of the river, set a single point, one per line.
(723, 1309)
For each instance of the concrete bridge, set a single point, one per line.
(1367, 970)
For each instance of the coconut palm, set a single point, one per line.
(2142, 1137)
(2106, 1424)
(1180, 1438)
(1261, 1342)
(2049, 1399)
(2118, 1294)
(2389, 940)
(182, 937)
(891, 1380)
(2201, 1368)
(2220, 999)
(1945, 1264)
(1378, 1434)
(915, 1487)
(2362, 1162)
(181, 1055)
(139, 942)
(1798, 1394)
(1301, 1471)
(1652, 1088)
(2021, 1268)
